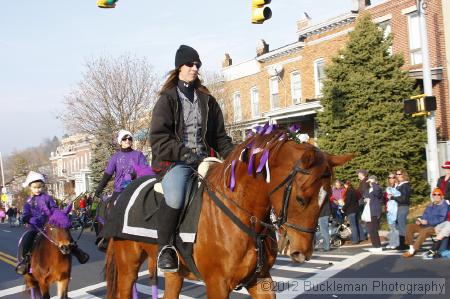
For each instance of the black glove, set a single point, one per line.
(191, 159)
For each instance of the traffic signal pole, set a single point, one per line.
(432, 155)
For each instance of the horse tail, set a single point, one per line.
(111, 271)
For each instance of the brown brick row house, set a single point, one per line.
(283, 85)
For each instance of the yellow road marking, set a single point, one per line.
(8, 261)
(7, 255)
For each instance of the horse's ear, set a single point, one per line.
(68, 209)
(309, 158)
(340, 159)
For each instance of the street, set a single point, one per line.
(347, 263)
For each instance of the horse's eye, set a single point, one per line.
(301, 200)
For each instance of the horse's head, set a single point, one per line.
(301, 180)
(57, 230)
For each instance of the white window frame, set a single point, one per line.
(387, 30)
(272, 92)
(296, 94)
(415, 44)
(221, 103)
(237, 111)
(254, 101)
(318, 82)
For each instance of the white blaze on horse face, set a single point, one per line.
(322, 195)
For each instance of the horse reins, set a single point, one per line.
(46, 236)
(287, 182)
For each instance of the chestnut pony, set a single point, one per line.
(268, 171)
(51, 260)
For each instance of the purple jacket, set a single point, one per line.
(37, 209)
(122, 165)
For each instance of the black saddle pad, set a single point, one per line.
(133, 216)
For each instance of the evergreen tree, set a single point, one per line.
(101, 152)
(363, 110)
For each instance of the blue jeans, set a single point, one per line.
(354, 226)
(402, 215)
(444, 244)
(324, 231)
(174, 184)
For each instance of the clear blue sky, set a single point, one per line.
(44, 45)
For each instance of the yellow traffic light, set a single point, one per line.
(106, 3)
(259, 12)
(419, 105)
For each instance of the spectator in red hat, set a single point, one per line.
(444, 181)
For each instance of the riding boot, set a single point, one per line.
(23, 266)
(167, 224)
(81, 256)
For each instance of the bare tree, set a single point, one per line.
(115, 93)
(215, 82)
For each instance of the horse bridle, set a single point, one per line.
(287, 182)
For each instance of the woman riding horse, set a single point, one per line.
(123, 166)
(187, 124)
(35, 212)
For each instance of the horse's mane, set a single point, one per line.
(257, 152)
(59, 219)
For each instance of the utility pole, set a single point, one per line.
(432, 155)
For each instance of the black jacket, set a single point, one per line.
(404, 198)
(351, 202)
(447, 187)
(376, 198)
(167, 123)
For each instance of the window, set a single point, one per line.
(415, 46)
(237, 106)
(319, 76)
(296, 87)
(274, 95)
(221, 103)
(387, 30)
(254, 99)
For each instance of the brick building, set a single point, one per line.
(284, 85)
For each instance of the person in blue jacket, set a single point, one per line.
(434, 214)
(36, 210)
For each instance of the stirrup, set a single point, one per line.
(167, 247)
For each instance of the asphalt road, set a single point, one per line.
(334, 274)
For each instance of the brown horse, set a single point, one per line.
(51, 260)
(267, 172)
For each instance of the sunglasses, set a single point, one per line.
(127, 138)
(436, 194)
(191, 64)
(392, 177)
(399, 173)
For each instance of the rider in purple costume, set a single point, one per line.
(36, 211)
(122, 165)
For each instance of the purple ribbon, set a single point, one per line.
(251, 161)
(294, 128)
(263, 160)
(232, 176)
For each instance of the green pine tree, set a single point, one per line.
(101, 152)
(363, 110)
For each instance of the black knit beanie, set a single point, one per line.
(185, 54)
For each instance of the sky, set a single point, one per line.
(44, 46)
